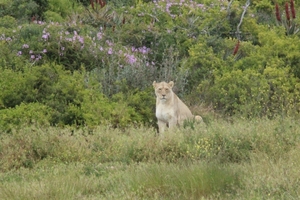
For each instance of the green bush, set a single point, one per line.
(252, 94)
(24, 115)
(22, 10)
(53, 16)
(13, 87)
(7, 22)
(96, 110)
(62, 7)
(74, 99)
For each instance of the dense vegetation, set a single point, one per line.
(77, 104)
(87, 63)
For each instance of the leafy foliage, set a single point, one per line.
(70, 99)
(93, 64)
(24, 114)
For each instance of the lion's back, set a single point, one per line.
(183, 111)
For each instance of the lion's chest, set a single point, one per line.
(164, 113)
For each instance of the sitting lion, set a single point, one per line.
(170, 110)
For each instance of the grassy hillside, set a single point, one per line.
(243, 159)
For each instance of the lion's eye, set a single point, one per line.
(159, 89)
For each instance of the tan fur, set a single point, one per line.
(170, 110)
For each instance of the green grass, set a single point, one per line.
(191, 181)
(256, 159)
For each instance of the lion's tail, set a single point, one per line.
(198, 118)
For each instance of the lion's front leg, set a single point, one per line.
(161, 126)
(173, 123)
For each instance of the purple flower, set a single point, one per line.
(200, 5)
(62, 48)
(45, 36)
(130, 59)
(38, 22)
(109, 43)
(99, 35)
(81, 39)
(133, 49)
(30, 52)
(168, 7)
(38, 57)
(101, 48)
(110, 51)
(25, 46)
(45, 51)
(144, 50)
(19, 53)
(32, 56)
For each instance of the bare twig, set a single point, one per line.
(238, 33)
(229, 5)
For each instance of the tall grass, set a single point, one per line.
(241, 159)
(182, 181)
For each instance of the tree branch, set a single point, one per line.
(229, 5)
(238, 33)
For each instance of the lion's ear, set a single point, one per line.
(154, 84)
(171, 84)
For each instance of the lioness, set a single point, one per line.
(170, 110)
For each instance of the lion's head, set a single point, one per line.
(163, 90)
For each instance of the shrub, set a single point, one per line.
(24, 115)
(53, 16)
(96, 110)
(21, 9)
(74, 99)
(62, 7)
(7, 22)
(13, 88)
(254, 94)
